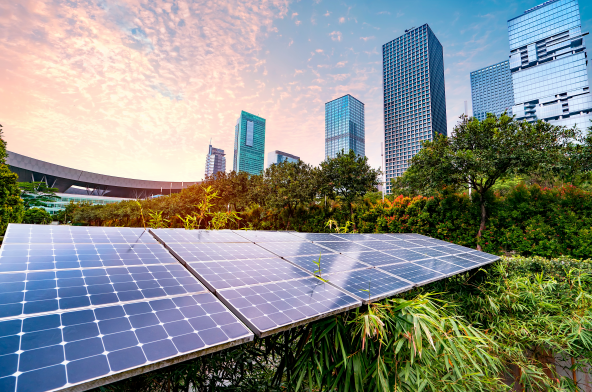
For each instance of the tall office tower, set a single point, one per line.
(344, 126)
(414, 97)
(278, 156)
(492, 91)
(548, 64)
(249, 144)
(215, 161)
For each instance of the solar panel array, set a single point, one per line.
(84, 306)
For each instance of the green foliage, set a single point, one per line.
(37, 216)
(11, 204)
(156, 220)
(347, 176)
(37, 194)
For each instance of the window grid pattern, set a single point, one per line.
(249, 158)
(414, 96)
(344, 126)
(492, 90)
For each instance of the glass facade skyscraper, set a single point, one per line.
(215, 161)
(492, 91)
(548, 64)
(414, 96)
(344, 126)
(278, 156)
(249, 144)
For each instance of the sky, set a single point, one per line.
(137, 88)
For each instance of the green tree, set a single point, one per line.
(37, 216)
(348, 176)
(11, 205)
(37, 194)
(288, 185)
(480, 153)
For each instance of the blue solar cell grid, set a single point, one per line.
(60, 350)
(191, 252)
(285, 249)
(273, 307)
(181, 235)
(44, 234)
(344, 247)
(331, 262)
(369, 284)
(314, 237)
(269, 236)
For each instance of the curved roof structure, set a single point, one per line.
(63, 178)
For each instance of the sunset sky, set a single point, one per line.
(137, 88)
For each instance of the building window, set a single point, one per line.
(249, 141)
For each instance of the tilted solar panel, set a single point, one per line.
(269, 236)
(285, 249)
(181, 235)
(23, 234)
(314, 237)
(190, 252)
(327, 263)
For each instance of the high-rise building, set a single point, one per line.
(344, 126)
(492, 91)
(278, 156)
(249, 144)
(414, 96)
(548, 64)
(215, 161)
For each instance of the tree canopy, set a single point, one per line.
(11, 205)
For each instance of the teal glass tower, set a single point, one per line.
(249, 144)
(344, 126)
(414, 96)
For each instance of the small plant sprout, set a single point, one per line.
(189, 222)
(369, 283)
(156, 220)
(319, 272)
(332, 222)
(141, 213)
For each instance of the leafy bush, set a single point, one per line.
(37, 215)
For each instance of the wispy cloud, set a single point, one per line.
(340, 64)
(327, 13)
(335, 35)
(342, 19)
(365, 39)
(383, 13)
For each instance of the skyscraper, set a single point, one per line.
(548, 64)
(249, 143)
(414, 96)
(344, 126)
(278, 156)
(492, 91)
(215, 161)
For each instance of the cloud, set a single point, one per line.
(298, 72)
(342, 20)
(383, 13)
(340, 64)
(399, 14)
(294, 14)
(367, 38)
(290, 43)
(298, 23)
(335, 35)
(327, 13)
(319, 50)
(340, 77)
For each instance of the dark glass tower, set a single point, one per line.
(414, 96)
(492, 91)
(249, 144)
(344, 126)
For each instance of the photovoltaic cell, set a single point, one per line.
(430, 252)
(285, 249)
(353, 237)
(63, 350)
(414, 273)
(440, 266)
(181, 235)
(268, 236)
(331, 262)
(406, 254)
(459, 261)
(218, 251)
(47, 234)
(274, 307)
(217, 275)
(375, 258)
(380, 245)
(48, 291)
(369, 284)
(319, 237)
(407, 236)
(344, 247)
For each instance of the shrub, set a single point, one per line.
(37, 215)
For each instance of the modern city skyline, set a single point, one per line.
(249, 143)
(277, 156)
(215, 161)
(344, 126)
(492, 90)
(414, 96)
(548, 63)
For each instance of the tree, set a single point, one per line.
(288, 185)
(11, 205)
(348, 176)
(37, 216)
(480, 153)
(37, 194)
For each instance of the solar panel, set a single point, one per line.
(369, 284)
(414, 273)
(182, 235)
(35, 257)
(273, 307)
(319, 237)
(331, 262)
(375, 258)
(285, 249)
(380, 245)
(438, 265)
(407, 236)
(191, 252)
(406, 254)
(47, 234)
(269, 236)
(344, 247)
(219, 275)
(353, 236)
(83, 347)
(460, 261)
